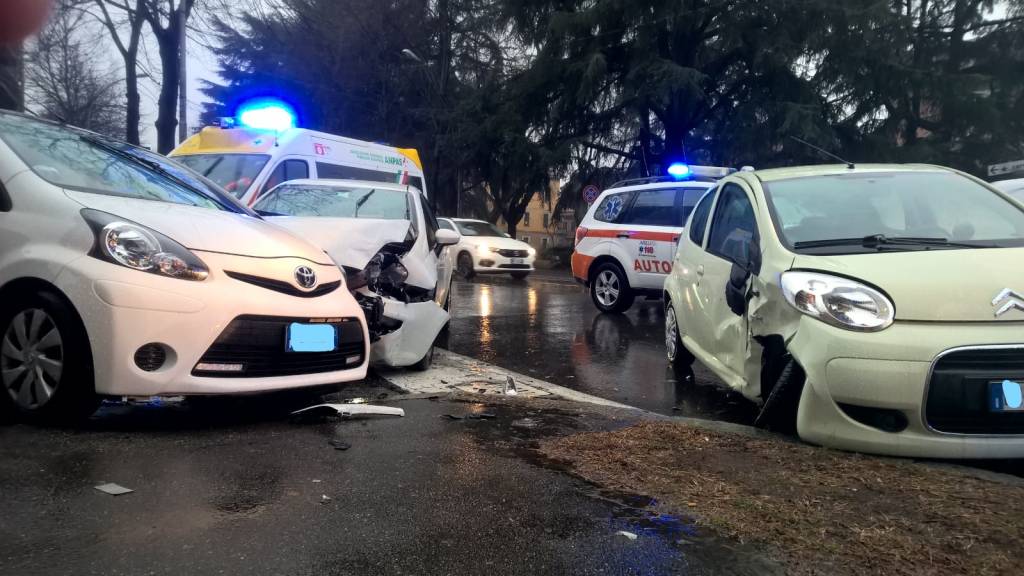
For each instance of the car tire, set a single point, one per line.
(779, 410)
(678, 356)
(46, 371)
(465, 266)
(520, 275)
(609, 289)
(424, 363)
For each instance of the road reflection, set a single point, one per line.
(551, 330)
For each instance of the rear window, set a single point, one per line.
(613, 207)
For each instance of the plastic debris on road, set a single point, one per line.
(627, 535)
(114, 489)
(339, 444)
(510, 387)
(349, 410)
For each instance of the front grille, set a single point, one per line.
(258, 343)
(512, 253)
(284, 287)
(957, 399)
(515, 266)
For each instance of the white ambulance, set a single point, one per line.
(266, 150)
(627, 241)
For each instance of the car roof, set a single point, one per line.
(351, 184)
(771, 174)
(661, 185)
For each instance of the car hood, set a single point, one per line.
(351, 242)
(205, 229)
(935, 285)
(496, 242)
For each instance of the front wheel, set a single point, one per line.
(46, 371)
(465, 266)
(678, 356)
(424, 363)
(610, 289)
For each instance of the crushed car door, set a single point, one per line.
(731, 262)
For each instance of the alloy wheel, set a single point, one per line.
(31, 358)
(671, 334)
(607, 288)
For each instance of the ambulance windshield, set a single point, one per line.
(232, 172)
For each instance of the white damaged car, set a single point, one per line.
(386, 239)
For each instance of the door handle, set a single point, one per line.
(700, 270)
(675, 239)
(624, 236)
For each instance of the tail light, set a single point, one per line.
(581, 233)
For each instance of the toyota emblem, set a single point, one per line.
(305, 276)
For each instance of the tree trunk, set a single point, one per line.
(12, 95)
(167, 103)
(132, 105)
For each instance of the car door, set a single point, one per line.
(731, 240)
(649, 230)
(439, 254)
(689, 267)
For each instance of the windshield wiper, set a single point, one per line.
(155, 167)
(361, 201)
(881, 240)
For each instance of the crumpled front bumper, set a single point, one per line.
(421, 322)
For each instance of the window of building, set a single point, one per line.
(547, 220)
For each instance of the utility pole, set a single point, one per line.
(182, 73)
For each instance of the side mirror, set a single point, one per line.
(5, 200)
(447, 237)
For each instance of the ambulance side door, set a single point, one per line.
(286, 168)
(652, 226)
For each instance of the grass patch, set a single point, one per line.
(817, 511)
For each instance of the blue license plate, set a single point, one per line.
(1006, 396)
(311, 338)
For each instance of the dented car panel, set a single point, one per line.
(906, 365)
(398, 275)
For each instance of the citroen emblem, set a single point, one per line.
(305, 276)
(1008, 300)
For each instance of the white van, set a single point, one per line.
(248, 162)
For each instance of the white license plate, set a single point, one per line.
(1006, 396)
(518, 261)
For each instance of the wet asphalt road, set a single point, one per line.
(547, 327)
(236, 488)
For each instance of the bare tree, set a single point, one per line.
(64, 79)
(124, 21)
(168, 19)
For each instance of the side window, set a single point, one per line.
(285, 171)
(699, 222)
(688, 200)
(654, 208)
(430, 222)
(734, 226)
(526, 218)
(613, 206)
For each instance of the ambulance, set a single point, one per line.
(263, 148)
(627, 241)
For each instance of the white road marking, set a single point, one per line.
(453, 372)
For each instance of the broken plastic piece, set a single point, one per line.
(453, 417)
(627, 535)
(339, 444)
(347, 410)
(114, 489)
(482, 416)
(510, 387)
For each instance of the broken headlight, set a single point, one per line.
(384, 275)
(837, 301)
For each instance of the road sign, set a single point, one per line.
(1006, 168)
(590, 193)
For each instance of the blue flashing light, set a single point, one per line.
(267, 116)
(679, 170)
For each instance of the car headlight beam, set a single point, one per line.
(838, 301)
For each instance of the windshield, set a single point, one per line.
(335, 202)
(919, 205)
(233, 172)
(79, 160)
(479, 229)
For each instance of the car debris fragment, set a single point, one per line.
(349, 410)
(627, 535)
(510, 387)
(114, 489)
(339, 444)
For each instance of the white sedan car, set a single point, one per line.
(386, 239)
(124, 274)
(484, 249)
